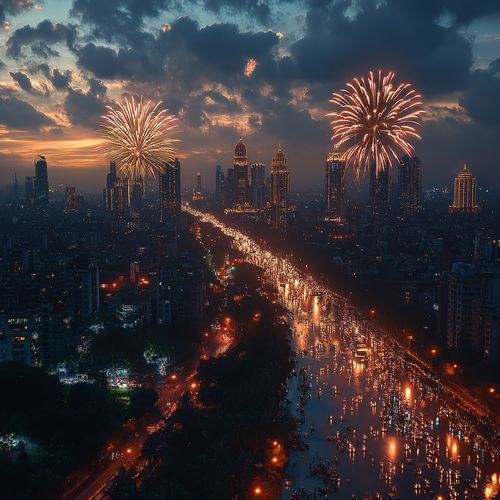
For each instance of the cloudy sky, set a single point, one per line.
(260, 69)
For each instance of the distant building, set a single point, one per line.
(41, 182)
(137, 194)
(464, 193)
(379, 189)
(410, 185)
(219, 185)
(492, 333)
(240, 176)
(15, 339)
(72, 204)
(116, 195)
(85, 290)
(29, 189)
(198, 190)
(462, 306)
(487, 246)
(279, 191)
(229, 188)
(335, 187)
(170, 191)
(258, 184)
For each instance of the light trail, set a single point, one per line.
(337, 312)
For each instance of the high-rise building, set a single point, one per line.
(279, 191)
(464, 192)
(219, 185)
(41, 183)
(198, 190)
(335, 187)
(170, 191)
(85, 289)
(461, 303)
(137, 194)
(72, 201)
(229, 188)
(258, 184)
(240, 173)
(29, 189)
(410, 185)
(379, 189)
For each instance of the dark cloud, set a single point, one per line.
(60, 80)
(14, 7)
(23, 81)
(259, 9)
(40, 39)
(85, 108)
(391, 35)
(20, 115)
(481, 99)
(114, 20)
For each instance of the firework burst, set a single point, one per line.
(374, 120)
(138, 137)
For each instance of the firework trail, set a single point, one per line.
(138, 137)
(374, 120)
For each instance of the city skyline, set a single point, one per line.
(55, 79)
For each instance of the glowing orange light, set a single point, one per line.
(174, 376)
(129, 450)
(257, 490)
(492, 390)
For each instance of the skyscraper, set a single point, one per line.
(41, 183)
(219, 185)
(279, 190)
(379, 189)
(137, 194)
(71, 200)
(241, 184)
(335, 187)
(116, 195)
(410, 185)
(170, 190)
(198, 190)
(464, 193)
(258, 184)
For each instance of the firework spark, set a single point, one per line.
(374, 120)
(138, 137)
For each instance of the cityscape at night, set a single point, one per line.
(249, 249)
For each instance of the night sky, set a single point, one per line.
(262, 70)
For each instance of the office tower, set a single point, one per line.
(72, 204)
(15, 188)
(258, 184)
(85, 289)
(219, 185)
(410, 185)
(198, 190)
(240, 173)
(29, 189)
(487, 246)
(379, 189)
(229, 188)
(279, 190)
(335, 187)
(41, 183)
(170, 191)
(111, 177)
(464, 193)
(137, 195)
(461, 305)
(51, 340)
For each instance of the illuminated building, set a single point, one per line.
(170, 191)
(464, 193)
(410, 185)
(240, 176)
(198, 190)
(41, 182)
(258, 184)
(137, 195)
(117, 192)
(335, 187)
(72, 204)
(219, 185)
(379, 189)
(16, 339)
(492, 332)
(279, 191)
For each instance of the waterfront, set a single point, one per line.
(379, 426)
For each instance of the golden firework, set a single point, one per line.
(374, 120)
(138, 137)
